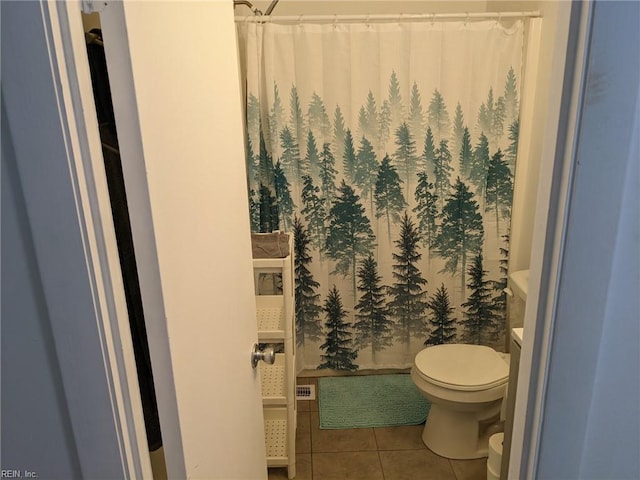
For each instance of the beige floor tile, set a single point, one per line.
(475, 469)
(303, 469)
(347, 466)
(348, 440)
(303, 433)
(400, 438)
(303, 405)
(415, 464)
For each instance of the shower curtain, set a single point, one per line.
(389, 150)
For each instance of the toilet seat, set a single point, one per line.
(462, 367)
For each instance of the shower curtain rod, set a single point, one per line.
(388, 17)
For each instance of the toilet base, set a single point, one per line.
(459, 435)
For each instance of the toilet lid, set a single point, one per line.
(462, 367)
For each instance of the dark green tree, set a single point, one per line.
(491, 117)
(339, 131)
(416, 114)
(265, 164)
(268, 210)
(388, 194)
(426, 210)
(485, 115)
(368, 118)
(296, 117)
(253, 119)
(458, 131)
(362, 121)
(254, 211)
(442, 171)
(396, 108)
(290, 159)
(373, 119)
(500, 297)
(479, 166)
(350, 236)
(338, 345)
(429, 153)
(373, 326)
(252, 168)
(319, 122)
(499, 190)
(349, 157)
(307, 309)
(443, 328)
(366, 170)
(438, 116)
(461, 232)
(283, 197)
(511, 108)
(405, 154)
(314, 212)
(479, 323)
(327, 174)
(512, 149)
(276, 118)
(384, 125)
(498, 119)
(312, 158)
(408, 292)
(269, 217)
(465, 155)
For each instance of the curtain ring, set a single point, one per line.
(466, 19)
(433, 19)
(335, 21)
(367, 21)
(300, 21)
(499, 21)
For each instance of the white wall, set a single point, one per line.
(315, 7)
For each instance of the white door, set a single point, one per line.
(176, 90)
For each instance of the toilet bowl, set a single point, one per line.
(465, 385)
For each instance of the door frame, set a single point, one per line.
(106, 324)
(77, 115)
(120, 81)
(70, 51)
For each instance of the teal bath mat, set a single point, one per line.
(370, 401)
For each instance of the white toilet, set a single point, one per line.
(465, 385)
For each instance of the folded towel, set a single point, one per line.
(270, 245)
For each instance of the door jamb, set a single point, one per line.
(70, 68)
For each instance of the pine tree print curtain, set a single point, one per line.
(389, 151)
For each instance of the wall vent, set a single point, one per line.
(305, 392)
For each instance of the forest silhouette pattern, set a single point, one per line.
(427, 181)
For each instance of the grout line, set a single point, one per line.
(380, 463)
(375, 437)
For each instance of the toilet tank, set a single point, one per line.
(517, 284)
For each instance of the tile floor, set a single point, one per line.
(390, 453)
